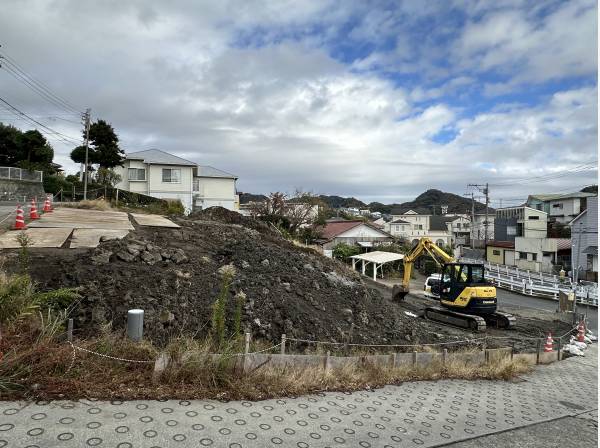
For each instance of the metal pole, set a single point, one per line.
(487, 209)
(87, 144)
(135, 324)
(283, 344)
(70, 330)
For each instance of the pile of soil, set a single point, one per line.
(172, 274)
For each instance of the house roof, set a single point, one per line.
(555, 197)
(504, 244)
(415, 211)
(209, 171)
(439, 222)
(592, 250)
(159, 157)
(335, 228)
(400, 221)
(379, 256)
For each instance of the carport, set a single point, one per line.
(378, 258)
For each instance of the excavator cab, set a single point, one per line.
(465, 289)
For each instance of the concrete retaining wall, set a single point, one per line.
(20, 190)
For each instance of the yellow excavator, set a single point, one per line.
(467, 300)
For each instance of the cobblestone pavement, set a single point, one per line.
(412, 414)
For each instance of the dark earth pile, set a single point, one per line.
(173, 275)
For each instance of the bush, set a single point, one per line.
(342, 251)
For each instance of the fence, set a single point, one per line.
(407, 355)
(110, 194)
(538, 283)
(13, 173)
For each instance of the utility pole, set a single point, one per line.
(472, 216)
(86, 122)
(485, 190)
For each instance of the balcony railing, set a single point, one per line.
(12, 173)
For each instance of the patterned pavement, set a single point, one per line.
(413, 414)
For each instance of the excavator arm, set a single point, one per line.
(425, 245)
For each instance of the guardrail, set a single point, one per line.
(13, 173)
(538, 283)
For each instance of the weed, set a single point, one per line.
(227, 273)
(240, 300)
(24, 241)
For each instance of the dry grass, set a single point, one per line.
(95, 204)
(39, 367)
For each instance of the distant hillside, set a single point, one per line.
(590, 189)
(432, 200)
(429, 202)
(338, 201)
(249, 197)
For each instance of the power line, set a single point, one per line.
(12, 67)
(59, 135)
(550, 176)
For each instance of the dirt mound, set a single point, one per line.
(173, 275)
(225, 216)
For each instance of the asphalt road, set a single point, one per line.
(508, 298)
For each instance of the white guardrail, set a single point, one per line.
(537, 283)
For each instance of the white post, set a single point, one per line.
(375, 272)
(511, 282)
(283, 344)
(354, 264)
(524, 290)
(135, 325)
(363, 267)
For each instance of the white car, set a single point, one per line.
(432, 286)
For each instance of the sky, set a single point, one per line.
(380, 100)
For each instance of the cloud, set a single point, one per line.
(274, 92)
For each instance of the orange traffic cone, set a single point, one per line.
(33, 214)
(47, 206)
(581, 332)
(548, 346)
(20, 220)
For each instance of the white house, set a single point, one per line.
(351, 232)
(162, 175)
(561, 208)
(584, 248)
(412, 226)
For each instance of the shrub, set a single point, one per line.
(343, 251)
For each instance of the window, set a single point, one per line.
(458, 225)
(589, 262)
(397, 228)
(419, 226)
(558, 206)
(171, 175)
(477, 274)
(511, 230)
(517, 255)
(534, 217)
(196, 185)
(533, 257)
(496, 252)
(136, 174)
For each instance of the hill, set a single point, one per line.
(432, 200)
(338, 201)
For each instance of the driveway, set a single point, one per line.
(425, 413)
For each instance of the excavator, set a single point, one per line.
(466, 299)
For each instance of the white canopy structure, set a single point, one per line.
(378, 258)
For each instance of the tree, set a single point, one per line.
(9, 149)
(343, 251)
(103, 149)
(107, 176)
(289, 213)
(35, 152)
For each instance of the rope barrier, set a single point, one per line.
(387, 345)
(102, 355)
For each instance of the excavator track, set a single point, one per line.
(470, 321)
(500, 320)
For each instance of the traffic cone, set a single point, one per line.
(548, 346)
(47, 205)
(20, 220)
(33, 214)
(581, 332)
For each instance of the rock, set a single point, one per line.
(148, 257)
(257, 322)
(286, 286)
(407, 337)
(165, 254)
(245, 264)
(179, 256)
(308, 267)
(316, 285)
(347, 312)
(265, 262)
(125, 256)
(101, 258)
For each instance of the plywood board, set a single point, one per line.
(91, 237)
(153, 220)
(51, 237)
(84, 219)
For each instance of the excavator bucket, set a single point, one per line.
(399, 292)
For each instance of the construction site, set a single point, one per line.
(170, 268)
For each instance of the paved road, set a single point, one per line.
(412, 414)
(513, 299)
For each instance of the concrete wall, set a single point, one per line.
(353, 240)
(20, 190)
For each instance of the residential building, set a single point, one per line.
(478, 229)
(521, 240)
(356, 232)
(584, 242)
(162, 175)
(562, 208)
(522, 221)
(446, 230)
